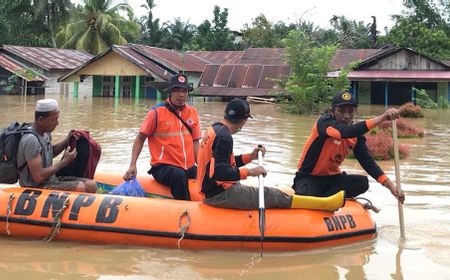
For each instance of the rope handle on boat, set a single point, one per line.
(183, 227)
(57, 221)
(369, 205)
(8, 212)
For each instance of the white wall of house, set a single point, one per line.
(52, 86)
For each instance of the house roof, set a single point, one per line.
(129, 54)
(48, 58)
(18, 69)
(343, 57)
(178, 61)
(241, 77)
(391, 50)
(218, 57)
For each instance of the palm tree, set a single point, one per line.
(176, 34)
(52, 13)
(151, 32)
(97, 26)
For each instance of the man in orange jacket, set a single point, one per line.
(219, 171)
(333, 137)
(173, 133)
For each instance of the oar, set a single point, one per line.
(397, 178)
(262, 210)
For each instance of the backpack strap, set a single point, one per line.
(28, 131)
(172, 110)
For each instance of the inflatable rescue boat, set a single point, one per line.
(152, 221)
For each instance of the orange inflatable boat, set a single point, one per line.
(148, 221)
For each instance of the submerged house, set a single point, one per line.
(135, 70)
(35, 70)
(389, 75)
(383, 76)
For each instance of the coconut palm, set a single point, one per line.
(97, 26)
(176, 34)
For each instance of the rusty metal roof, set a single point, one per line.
(219, 57)
(49, 58)
(234, 92)
(343, 57)
(131, 55)
(240, 75)
(18, 69)
(179, 61)
(142, 62)
(264, 56)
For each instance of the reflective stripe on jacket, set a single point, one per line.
(169, 141)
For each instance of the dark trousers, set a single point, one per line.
(174, 177)
(353, 185)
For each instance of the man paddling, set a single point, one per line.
(219, 171)
(334, 136)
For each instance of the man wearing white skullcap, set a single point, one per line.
(36, 154)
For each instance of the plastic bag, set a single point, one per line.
(129, 188)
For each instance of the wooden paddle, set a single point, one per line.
(262, 209)
(397, 178)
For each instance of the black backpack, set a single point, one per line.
(9, 144)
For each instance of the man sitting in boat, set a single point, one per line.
(36, 154)
(172, 130)
(333, 137)
(219, 171)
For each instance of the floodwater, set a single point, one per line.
(425, 175)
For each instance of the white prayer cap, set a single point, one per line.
(47, 105)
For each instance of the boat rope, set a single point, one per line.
(57, 221)
(183, 227)
(8, 212)
(368, 205)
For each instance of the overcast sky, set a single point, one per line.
(243, 11)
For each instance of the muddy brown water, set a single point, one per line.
(114, 123)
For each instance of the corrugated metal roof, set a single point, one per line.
(49, 58)
(239, 75)
(343, 57)
(233, 92)
(387, 75)
(264, 56)
(131, 55)
(172, 59)
(219, 57)
(15, 68)
(257, 79)
(141, 61)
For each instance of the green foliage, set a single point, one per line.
(350, 33)
(175, 35)
(308, 86)
(263, 34)
(214, 35)
(97, 26)
(417, 36)
(423, 100)
(443, 103)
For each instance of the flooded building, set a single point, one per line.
(390, 75)
(135, 71)
(35, 70)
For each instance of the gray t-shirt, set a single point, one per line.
(29, 147)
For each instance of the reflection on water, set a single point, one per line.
(114, 124)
